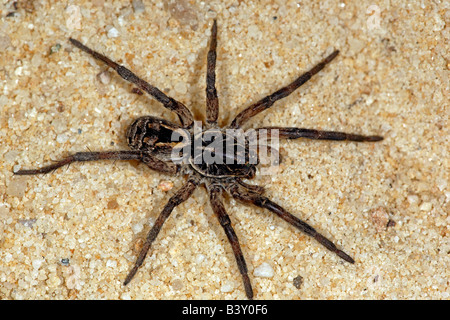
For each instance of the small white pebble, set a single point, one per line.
(137, 228)
(200, 258)
(8, 257)
(61, 138)
(37, 263)
(4, 211)
(28, 243)
(253, 31)
(104, 77)
(31, 113)
(138, 6)
(177, 284)
(125, 296)
(439, 23)
(5, 42)
(53, 280)
(11, 155)
(18, 71)
(413, 199)
(441, 184)
(180, 87)
(325, 282)
(265, 270)
(369, 100)
(74, 20)
(111, 263)
(356, 45)
(17, 187)
(227, 287)
(426, 206)
(72, 281)
(191, 58)
(113, 33)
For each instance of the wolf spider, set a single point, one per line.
(149, 139)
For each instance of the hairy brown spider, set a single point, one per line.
(151, 141)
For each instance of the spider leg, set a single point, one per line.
(84, 156)
(269, 100)
(159, 165)
(183, 112)
(225, 222)
(295, 133)
(212, 101)
(182, 195)
(251, 187)
(263, 202)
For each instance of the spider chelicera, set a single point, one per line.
(151, 142)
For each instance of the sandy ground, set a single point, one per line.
(73, 234)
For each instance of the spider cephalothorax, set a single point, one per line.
(214, 157)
